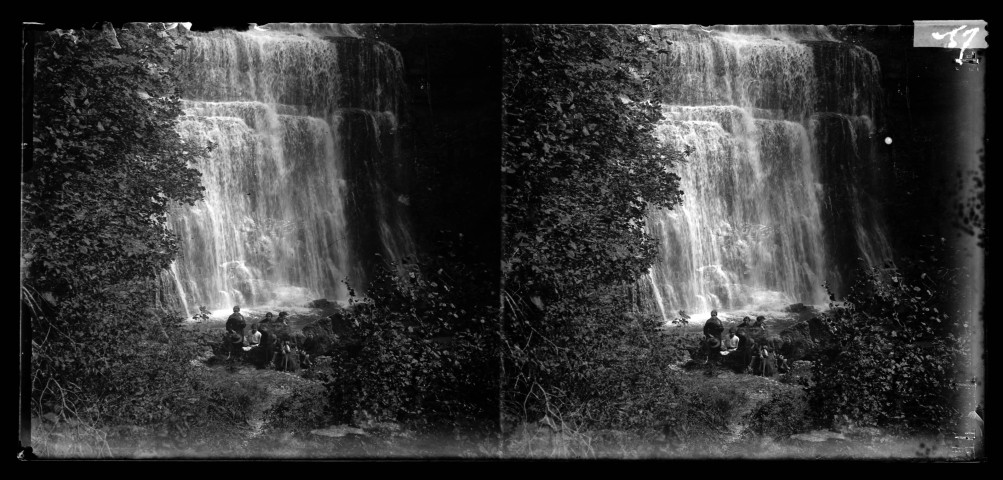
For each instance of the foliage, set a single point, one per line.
(108, 161)
(804, 339)
(203, 315)
(153, 387)
(786, 413)
(581, 164)
(581, 167)
(899, 338)
(305, 408)
(598, 368)
(800, 373)
(108, 164)
(418, 356)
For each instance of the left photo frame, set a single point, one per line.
(269, 240)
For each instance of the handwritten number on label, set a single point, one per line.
(970, 33)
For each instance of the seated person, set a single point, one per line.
(731, 340)
(745, 355)
(254, 338)
(268, 318)
(265, 354)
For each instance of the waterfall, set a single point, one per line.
(780, 124)
(300, 184)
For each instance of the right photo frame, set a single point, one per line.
(743, 241)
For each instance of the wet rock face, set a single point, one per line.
(803, 312)
(802, 340)
(320, 303)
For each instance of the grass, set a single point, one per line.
(651, 445)
(725, 416)
(728, 416)
(266, 431)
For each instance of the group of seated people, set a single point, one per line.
(745, 347)
(269, 344)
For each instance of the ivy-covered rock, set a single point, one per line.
(581, 167)
(804, 339)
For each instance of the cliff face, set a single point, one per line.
(935, 127)
(453, 75)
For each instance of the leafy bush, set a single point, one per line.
(580, 160)
(305, 408)
(95, 205)
(805, 339)
(785, 414)
(581, 167)
(898, 342)
(597, 368)
(703, 409)
(800, 373)
(418, 356)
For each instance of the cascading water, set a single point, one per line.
(779, 122)
(303, 122)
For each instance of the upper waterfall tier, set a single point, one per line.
(779, 73)
(313, 29)
(282, 68)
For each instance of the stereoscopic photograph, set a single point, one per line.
(502, 242)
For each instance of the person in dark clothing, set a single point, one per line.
(234, 344)
(713, 352)
(746, 325)
(283, 318)
(712, 330)
(759, 328)
(267, 348)
(315, 344)
(713, 327)
(310, 342)
(759, 332)
(236, 323)
(746, 348)
(268, 318)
